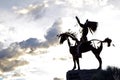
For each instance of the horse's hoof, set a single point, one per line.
(73, 69)
(78, 68)
(99, 68)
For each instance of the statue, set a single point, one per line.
(84, 45)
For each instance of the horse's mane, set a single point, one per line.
(71, 35)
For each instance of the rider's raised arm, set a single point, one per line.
(81, 25)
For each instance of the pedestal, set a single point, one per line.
(81, 74)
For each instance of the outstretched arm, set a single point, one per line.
(81, 25)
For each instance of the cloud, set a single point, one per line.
(7, 65)
(9, 58)
(51, 9)
(30, 43)
(50, 38)
(31, 8)
(114, 3)
(17, 49)
(1, 45)
(12, 50)
(56, 78)
(14, 29)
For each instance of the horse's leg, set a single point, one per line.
(78, 63)
(74, 64)
(100, 60)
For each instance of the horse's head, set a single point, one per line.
(63, 37)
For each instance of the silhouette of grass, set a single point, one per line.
(111, 73)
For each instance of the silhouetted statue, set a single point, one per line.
(84, 47)
(92, 26)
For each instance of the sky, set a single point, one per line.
(29, 47)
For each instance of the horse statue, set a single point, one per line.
(84, 47)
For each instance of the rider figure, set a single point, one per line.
(84, 27)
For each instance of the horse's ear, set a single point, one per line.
(58, 35)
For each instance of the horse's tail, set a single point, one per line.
(108, 41)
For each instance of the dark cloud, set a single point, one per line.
(30, 43)
(12, 50)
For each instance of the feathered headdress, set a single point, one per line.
(92, 25)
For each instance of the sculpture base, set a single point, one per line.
(81, 74)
